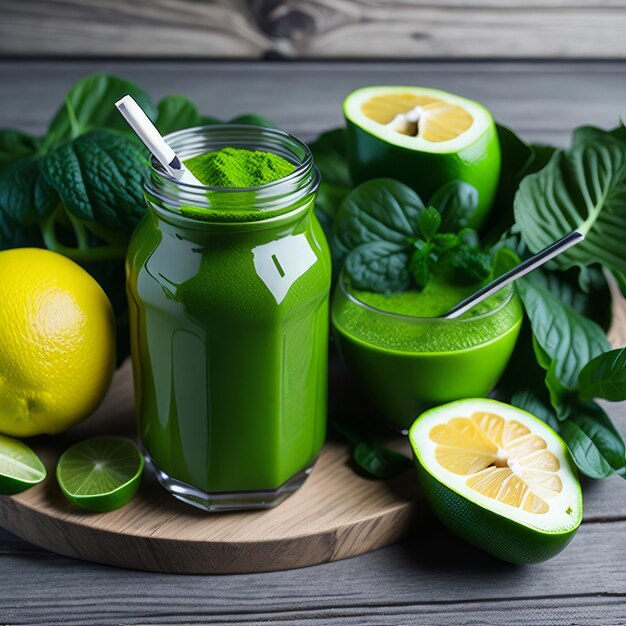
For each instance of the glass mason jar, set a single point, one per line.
(228, 293)
(406, 364)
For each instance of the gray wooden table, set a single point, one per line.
(431, 577)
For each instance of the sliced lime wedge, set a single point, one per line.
(20, 467)
(100, 474)
(499, 478)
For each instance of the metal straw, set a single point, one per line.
(522, 269)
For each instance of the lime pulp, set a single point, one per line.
(20, 467)
(100, 474)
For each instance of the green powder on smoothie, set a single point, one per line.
(238, 168)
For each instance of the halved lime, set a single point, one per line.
(100, 474)
(423, 138)
(20, 467)
(499, 478)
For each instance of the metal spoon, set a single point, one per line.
(522, 269)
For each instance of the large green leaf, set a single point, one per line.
(566, 340)
(99, 179)
(176, 113)
(580, 188)
(596, 446)
(516, 157)
(379, 266)
(250, 119)
(604, 377)
(25, 195)
(594, 302)
(90, 104)
(456, 201)
(380, 462)
(542, 154)
(14, 145)
(381, 209)
(530, 401)
(329, 152)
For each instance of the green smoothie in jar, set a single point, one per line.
(228, 287)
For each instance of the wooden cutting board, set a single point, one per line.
(336, 514)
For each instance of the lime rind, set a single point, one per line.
(482, 119)
(489, 531)
(102, 473)
(20, 467)
(498, 528)
(566, 508)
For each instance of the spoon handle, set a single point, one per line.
(525, 267)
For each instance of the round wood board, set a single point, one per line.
(336, 514)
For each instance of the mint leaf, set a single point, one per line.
(90, 104)
(565, 340)
(445, 241)
(25, 195)
(596, 446)
(99, 179)
(581, 187)
(429, 221)
(379, 266)
(381, 209)
(456, 202)
(471, 264)
(420, 264)
(176, 113)
(469, 236)
(380, 462)
(604, 377)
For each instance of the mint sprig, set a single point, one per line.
(391, 242)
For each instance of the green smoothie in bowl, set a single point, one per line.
(406, 359)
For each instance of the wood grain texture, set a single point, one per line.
(433, 578)
(541, 101)
(336, 514)
(314, 29)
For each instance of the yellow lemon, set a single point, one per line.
(57, 342)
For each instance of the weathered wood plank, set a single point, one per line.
(433, 577)
(542, 101)
(315, 29)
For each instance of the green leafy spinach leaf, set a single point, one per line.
(90, 104)
(565, 340)
(596, 446)
(580, 188)
(604, 377)
(379, 266)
